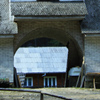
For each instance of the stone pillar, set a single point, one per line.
(4, 10)
(92, 57)
(6, 57)
(7, 29)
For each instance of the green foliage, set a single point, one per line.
(4, 82)
(54, 43)
(42, 42)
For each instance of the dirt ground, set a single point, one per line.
(76, 93)
(72, 93)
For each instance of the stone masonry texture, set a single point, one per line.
(92, 21)
(92, 54)
(7, 26)
(59, 30)
(14, 34)
(48, 9)
(6, 58)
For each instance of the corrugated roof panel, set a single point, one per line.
(59, 65)
(26, 50)
(49, 65)
(24, 70)
(17, 60)
(43, 55)
(41, 60)
(41, 50)
(27, 55)
(33, 64)
(59, 55)
(31, 50)
(29, 70)
(46, 60)
(41, 65)
(18, 65)
(23, 60)
(51, 50)
(27, 65)
(20, 55)
(20, 51)
(54, 60)
(36, 60)
(19, 70)
(63, 60)
(35, 55)
(37, 50)
(46, 50)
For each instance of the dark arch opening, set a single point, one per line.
(42, 42)
(75, 53)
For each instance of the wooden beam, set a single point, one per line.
(93, 74)
(19, 81)
(20, 90)
(57, 96)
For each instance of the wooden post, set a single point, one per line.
(94, 83)
(19, 81)
(78, 80)
(41, 96)
(82, 81)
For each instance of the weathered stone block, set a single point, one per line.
(48, 9)
(92, 21)
(6, 58)
(92, 54)
(7, 26)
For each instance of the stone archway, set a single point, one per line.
(64, 32)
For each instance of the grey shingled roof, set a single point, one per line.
(41, 60)
(48, 9)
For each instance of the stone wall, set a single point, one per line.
(91, 30)
(7, 26)
(91, 23)
(92, 54)
(6, 57)
(63, 31)
(5, 10)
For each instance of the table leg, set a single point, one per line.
(94, 83)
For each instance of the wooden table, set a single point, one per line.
(94, 75)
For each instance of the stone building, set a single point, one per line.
(75, 23)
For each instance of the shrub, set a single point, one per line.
(4, 83)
